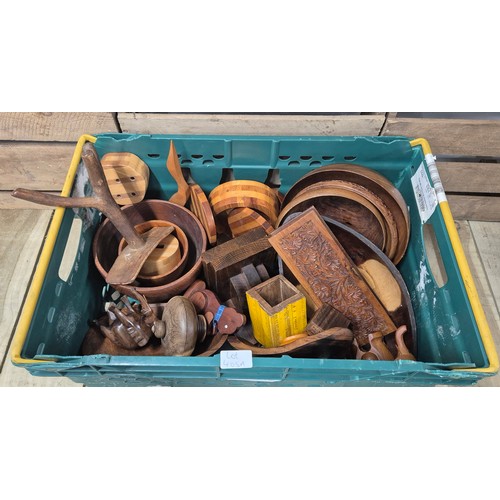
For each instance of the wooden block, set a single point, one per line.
(327, 317)
(321, 265)
(249, 277)
(227, 259)
(277, 311)
(54, 126)
(241, 124)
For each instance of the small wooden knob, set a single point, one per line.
(184, 327)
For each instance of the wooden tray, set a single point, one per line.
(369, 179)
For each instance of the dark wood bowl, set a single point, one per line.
(107, 240)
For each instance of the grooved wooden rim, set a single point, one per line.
(369, 179)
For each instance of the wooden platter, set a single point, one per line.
(200, 206)
(371, 180)
(349, 208)
(127, 177)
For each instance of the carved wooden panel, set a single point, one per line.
(323, 268)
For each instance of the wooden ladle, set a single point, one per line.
(139, 247)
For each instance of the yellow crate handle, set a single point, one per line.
(43, 262)
(470, 287)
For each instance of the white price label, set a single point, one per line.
(424, 194)
(230, 360)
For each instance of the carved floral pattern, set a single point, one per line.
(320, 267)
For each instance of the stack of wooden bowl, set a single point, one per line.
(358, 197)
(240, 206)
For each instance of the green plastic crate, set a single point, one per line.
(452, 349)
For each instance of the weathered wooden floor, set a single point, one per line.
(22, 233)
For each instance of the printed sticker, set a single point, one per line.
(425, 194)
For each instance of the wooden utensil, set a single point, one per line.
(200, 206)
(329, 344)
(128, 264)
(127, 176)
(183, 193)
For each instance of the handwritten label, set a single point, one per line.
(424, 194)
(231, 360)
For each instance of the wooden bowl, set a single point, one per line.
(174, 263)
(349, 208)
(371, 180)
(107, 240)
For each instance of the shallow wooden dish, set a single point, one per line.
(375, 203)
(370, 179)
(349, 208)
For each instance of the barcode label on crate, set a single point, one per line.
(425, 194)
(231, 360)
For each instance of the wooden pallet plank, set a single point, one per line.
(34, 165)
(164, 123)
(469, 207)
(469, 235)
(462, 177)
(53, 126)
(450, 136)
